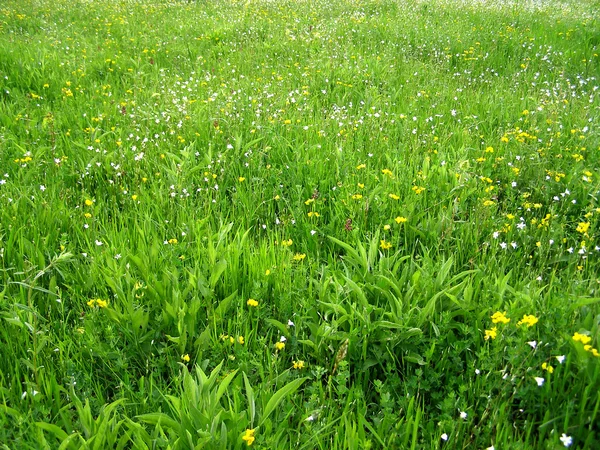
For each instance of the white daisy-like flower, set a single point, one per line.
(539, 381)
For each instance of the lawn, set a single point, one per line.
(329, 224)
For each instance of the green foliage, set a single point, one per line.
(315, 225)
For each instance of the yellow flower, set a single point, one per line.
(361, 166)
(89, 202)
(387, 172)
(287, 243)
(267, 272)
(385, 245)
(298, 364)
(87, 215)
(240, 340)
(185, 357)
(240, 179)
(357, 196)
(386, 227)
(394, 197)
(313, 213)
(418, 189)
(548, 367)
(91, 303)
(299, 256)
(279, 346)
(488, 203)
(101, 303)
(400, 219)
(134, 197)
(583, 227)
(500, 317)
(248, 437)
(491, 333)
(252, 302)
(584, 339)
(172, 241)
(528, 319)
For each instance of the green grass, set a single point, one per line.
(380, 177)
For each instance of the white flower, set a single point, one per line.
(477, 371)
(282, 339)
(98, 243)
(313, 232)
(118, 256)
(513, 244)
(290, 323)
(491, 447)
(503, 244)
(533, 344)
(539, 381)
(463, 415)
(42, 187)
(310, 418)
(444, 437)
(566, 440)
(560, 359)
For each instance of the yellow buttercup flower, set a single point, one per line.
(185, 358)
(248, 437)
(252, 302)
(491, 334)
(584, 339)
(499, 317)
(528, 319)
(279, 346)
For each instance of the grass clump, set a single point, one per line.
(326, 224)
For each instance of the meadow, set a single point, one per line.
(329, 224)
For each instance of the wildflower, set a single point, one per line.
(101, 303)
(134, 197)
(279, 346)
(394, 196)
(533, 344)
(547, 367)
(583, 227)
(357, 196)
(584, 339)
(299, 256)
(252, 302)
(241, 179)
(500, 317)
(385, 245)
(387, 172)
(528, 319)
(267, 272)
(539, 381)
(240, 340)
(491, 333)
(172, 241)
(290, 323)
(248, 437)
(287, 243)
(488, 203)
(560, 359)
(89, 202)
(463, 415)
(298, 364)
(418, 189)
(185, 358)
(444, 437)
(566, 440)
(91, 303)
(400, 219)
